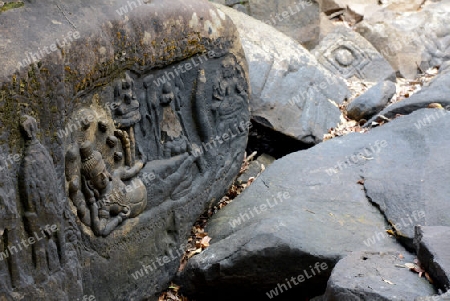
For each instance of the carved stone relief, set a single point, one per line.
(11, 273)
(101, 158)
(172, 131)
(42, 204)
(347, 54)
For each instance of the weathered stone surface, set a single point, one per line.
(297, 19)
(291, 92)
(350, 9)
(345, 53)
(404, 5)
(432, 245)
(255, 167)
(436, 91)
(442, 297)
(337, 194)
(120, 124)
(371, 102)
(375, 276)
(413, 190)
(410, 40)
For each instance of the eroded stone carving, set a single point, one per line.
(11, 274)
(346, 58)
(42, 204)
(172, 134)
(126, 116)
(101, 164)
(107, 197)
(347, 54)
(171, 131)
(229, 95)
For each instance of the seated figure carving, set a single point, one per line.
(228, 92)
(110, 201)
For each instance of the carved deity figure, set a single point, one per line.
(126, 115)
(229, 94)
(172, 133)
(110, 201)
(42, 204)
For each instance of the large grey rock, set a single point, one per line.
(365, 276)
(331, 199)
(413, 191)
(297, 19)
(410, 41)
(347, 54)
(372, 101)
(121, 122)
(432, 245)
(291, 92)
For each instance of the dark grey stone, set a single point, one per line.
(432, 245)
(343, 196)
(371, 102)
(375, 276)
(442, 297)
(436, 91)
(296, 19)
(123, 137)
(255, 167)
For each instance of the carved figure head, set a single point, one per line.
(28, 127)
(167, 95)
(93, 167)
(124, 90)
(228, 67)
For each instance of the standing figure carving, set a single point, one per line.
(172, 135)
(126, 115)
(42, 204)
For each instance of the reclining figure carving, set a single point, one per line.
(110, 201)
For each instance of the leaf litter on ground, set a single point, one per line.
(405, 89)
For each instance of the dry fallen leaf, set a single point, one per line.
(390, 232)
(204, 243)
(192, 253)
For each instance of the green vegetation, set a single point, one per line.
(11, 5)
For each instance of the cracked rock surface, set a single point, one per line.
(324, 203)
